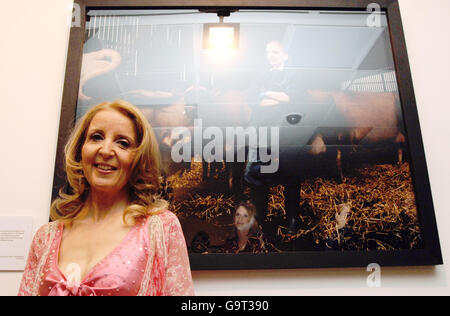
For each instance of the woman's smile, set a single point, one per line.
(104, 168)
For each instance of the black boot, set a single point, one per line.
(260, 198)
(293, 225)
(292, 202)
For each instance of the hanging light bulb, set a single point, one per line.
(221, 35)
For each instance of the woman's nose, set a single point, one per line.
(106, 149)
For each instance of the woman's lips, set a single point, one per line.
(104, 168)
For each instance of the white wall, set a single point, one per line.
(34, 39)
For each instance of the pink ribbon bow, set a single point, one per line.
(65, 288)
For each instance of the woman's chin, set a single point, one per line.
(242, 228)
(106, 188)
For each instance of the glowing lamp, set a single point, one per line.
(221, 36)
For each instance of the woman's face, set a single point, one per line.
(242, 219)
(108, 151)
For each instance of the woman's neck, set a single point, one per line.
(242, 233)
(103, 205)
(242, 239)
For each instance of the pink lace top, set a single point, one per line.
(151, 260)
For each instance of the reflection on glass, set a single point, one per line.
(319, 87)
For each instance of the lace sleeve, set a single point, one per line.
(178, 272)
(30, 275)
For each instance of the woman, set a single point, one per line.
(111, 235)
(247, 236)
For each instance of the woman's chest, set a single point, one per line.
(74, 267)
(83, 248)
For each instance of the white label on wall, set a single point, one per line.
(15, 240)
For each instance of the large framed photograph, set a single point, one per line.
(288, 130)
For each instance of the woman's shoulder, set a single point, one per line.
(166, 217)
(166, 214)
(44, 235)
(48, 229)
(167, 223)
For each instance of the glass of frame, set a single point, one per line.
(297, 146)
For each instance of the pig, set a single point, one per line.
(359, 118)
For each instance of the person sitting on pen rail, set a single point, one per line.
(111, 235)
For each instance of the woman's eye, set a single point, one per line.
(96, 137)
(123, 143)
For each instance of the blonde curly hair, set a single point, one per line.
(145, 179)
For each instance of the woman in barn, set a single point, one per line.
(247, 235)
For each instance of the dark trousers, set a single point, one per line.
(260, 197)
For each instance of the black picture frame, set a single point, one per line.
(429, 254)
